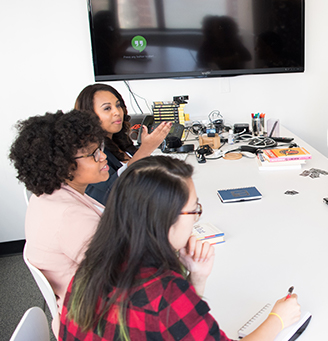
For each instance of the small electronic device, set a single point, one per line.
(241, 128)
(249, 149)
(173, 143)
(181, 99)
(148, 121)
(282, 139)
(176, 130)
(173, 139)
(203, 151)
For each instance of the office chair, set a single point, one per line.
(33, 326)
(44, 286)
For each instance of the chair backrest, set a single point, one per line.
(43, 285)
(33, 326)
(27, 195)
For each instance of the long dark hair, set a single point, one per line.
(133, 232)
(120, 142)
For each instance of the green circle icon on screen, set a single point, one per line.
(139, 43)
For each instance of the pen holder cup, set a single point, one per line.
(258, 126)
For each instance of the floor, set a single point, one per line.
(18, 292)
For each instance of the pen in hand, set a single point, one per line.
(290, 291)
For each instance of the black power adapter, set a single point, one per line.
(241, 128)
(202, 151)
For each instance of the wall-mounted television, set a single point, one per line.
(142, 39)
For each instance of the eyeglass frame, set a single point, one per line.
(198, 211)
(93, 154)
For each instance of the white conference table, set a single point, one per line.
(271, 244)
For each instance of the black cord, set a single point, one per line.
(132, 94)
(222, 145)
(262, 142)
(187, 130)
(197, 128)
(214, 158)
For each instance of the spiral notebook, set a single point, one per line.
(290, 333)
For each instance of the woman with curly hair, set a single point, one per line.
(109, 105)
(56, 156)
(132, 283)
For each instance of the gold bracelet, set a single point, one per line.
(282, 322)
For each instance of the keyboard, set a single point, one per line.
(180, 156)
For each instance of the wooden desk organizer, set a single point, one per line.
(213, 142)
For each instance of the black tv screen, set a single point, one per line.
(140, 39)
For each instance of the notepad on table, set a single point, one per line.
(209, 233)
(290, 333)
(239, 194)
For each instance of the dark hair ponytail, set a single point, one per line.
(133, 232)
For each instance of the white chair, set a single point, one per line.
(27, 195)
(43, 285)
(33, 326)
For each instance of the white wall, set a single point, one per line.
(46, 60)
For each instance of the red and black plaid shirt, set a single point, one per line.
(164, 308)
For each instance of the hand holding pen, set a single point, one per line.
(284, 313)
(289, 294)
(287, 310)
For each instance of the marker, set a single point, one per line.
(289, 294)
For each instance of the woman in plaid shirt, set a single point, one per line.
(132, 284)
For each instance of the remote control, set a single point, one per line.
(282, 139)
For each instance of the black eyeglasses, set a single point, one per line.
(96, 154)
(198, 211)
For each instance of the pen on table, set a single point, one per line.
(273, 128)
(289, 294)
